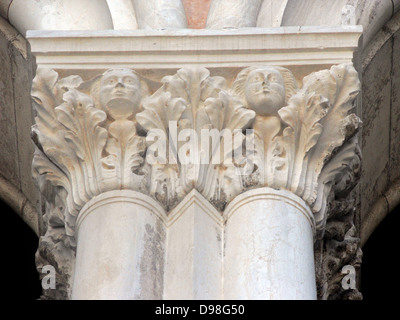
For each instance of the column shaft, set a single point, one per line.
(120, 248)
(269, 247)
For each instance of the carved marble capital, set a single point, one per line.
(193, 130)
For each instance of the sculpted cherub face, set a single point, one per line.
(119, 84)
(265, 91)
(120, 92)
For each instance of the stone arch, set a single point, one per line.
(380, 183)
(16, 185)
(372, 15)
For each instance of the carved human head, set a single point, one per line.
(119, 84)
(119, 92)
(265, 89)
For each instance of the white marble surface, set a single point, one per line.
(194, 250)
(166, 49)
(123, 14)
(120, 253)
(156, 14)
(60, 15)
(129, 249)
(233, 14)
(269, 247)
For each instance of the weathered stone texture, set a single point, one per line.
(16, 118)
(376, 127)
(394, 169)
(8, 141)
(22, 76)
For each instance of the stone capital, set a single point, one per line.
(213, 131)
(194, 131)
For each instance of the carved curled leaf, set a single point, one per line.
(211, 87)
(194, 86)
(50, 134)
(47, 93)
(174, 86)
(46, 96)
(44, 172)
(159, 110)
(193, 77)
(44, 90)
(316, 110)
(84, 135)
(51, 181)
(348, 87)
(226, 112)
(322, 83)
(195, 100)
(125, 151)
(82, 122)
(134, 152)
(303, 116)
(333, 172)
(70, 82)
(340, 85)
(290, 115)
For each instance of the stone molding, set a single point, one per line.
(146, 49)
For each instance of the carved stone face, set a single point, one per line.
(119, 86)
(265, 91)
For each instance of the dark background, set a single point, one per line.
(20, 280)
(379, 271)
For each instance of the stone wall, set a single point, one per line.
(381, 127)
(16, 118)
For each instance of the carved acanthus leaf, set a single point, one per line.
(86, 139)
(194, 100)
(338, 175)
(125, 155)
(302, 117)
(86, 144)
(314, 149)
(77, 143)
(222, 182)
